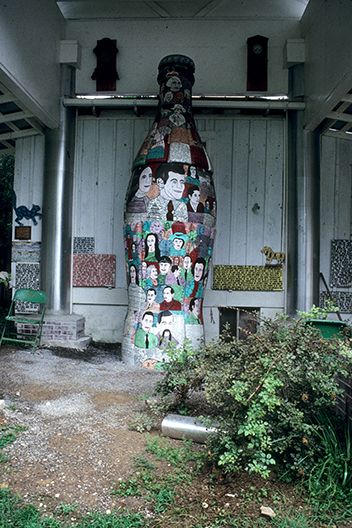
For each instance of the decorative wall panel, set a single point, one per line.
(94, 270)
(27, 276)
(342, 299)
(26, 252)
(247, 278)
(341, 263)
(83, 245)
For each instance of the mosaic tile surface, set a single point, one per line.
(27, 276)
(341, 263)
(94, 270)
(342, 299)
(83, 245)
(26, 252)
(247, 278)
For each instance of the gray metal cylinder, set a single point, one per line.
(186, 427)
(57, 209)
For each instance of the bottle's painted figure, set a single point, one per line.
(169, 225)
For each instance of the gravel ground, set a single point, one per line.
(75, 408)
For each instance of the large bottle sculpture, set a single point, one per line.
(169, 225)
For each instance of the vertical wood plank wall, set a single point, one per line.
(248, 158)
(335, 199)
(28, 179)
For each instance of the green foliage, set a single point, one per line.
(5, 278)
(13, 514)
(65, 508)
(180, 377)
(266, 392)
(318, 312)
(142, 422)
(7, 164)
(8, 434)
(98, 520)
(159, 489)
(330, 480)
(177, 456)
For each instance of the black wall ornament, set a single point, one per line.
(105, 73)
(257, 64)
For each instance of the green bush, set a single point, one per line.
(265, 392)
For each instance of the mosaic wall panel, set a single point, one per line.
(342, 299)
(27, 276)
(247, 278)
(26, 252)
(83, 245)
(341, 263)
(94, 270)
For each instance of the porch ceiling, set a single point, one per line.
(339, 120)
(15, 121)
(197, 9)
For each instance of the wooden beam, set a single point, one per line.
(158, 9)
(339, 116)
(208, 8)
(338, 135)
(16, 134)
(6, 118)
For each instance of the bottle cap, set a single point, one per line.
(179, 64)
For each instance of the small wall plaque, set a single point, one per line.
(23, 232)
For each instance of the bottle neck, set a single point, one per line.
(175, 97)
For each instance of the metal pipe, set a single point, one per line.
(57, 208)
(186, 427)
(312, 213)
(224, 102)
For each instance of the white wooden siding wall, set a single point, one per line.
(28, 179)
(249, 173)
(335, 197)
(104, 154)
(248, 159)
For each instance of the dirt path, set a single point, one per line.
(75, 408)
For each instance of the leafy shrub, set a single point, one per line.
(320, 312)
(266, 392)
(180, 374)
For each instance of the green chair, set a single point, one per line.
(26, 327)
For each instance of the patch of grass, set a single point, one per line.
(299, 521)
(142, 423)
(3, 458)
(182, 454)
(8, 434)
(127, 520)
(128, 488)
(158, 480)
(163, 498)
(65, 508)
(330, 481)
(14, 514)
(142, 462)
